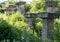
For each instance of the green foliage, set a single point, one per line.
(27, 8)
(1, 11)
(39, 26)
(29, 36)
(37, 6)
(12, 26)
(57, 30)
(6, 30)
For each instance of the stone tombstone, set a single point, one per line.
(9, 9)
(29, 19)
(51, 6)
(6, 11)
(47, 29)
(20, 7)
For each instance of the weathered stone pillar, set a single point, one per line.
(28, 22)
(20, 7)
(50, 26)
(30, 19)
(47, 29)
(44, 30)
